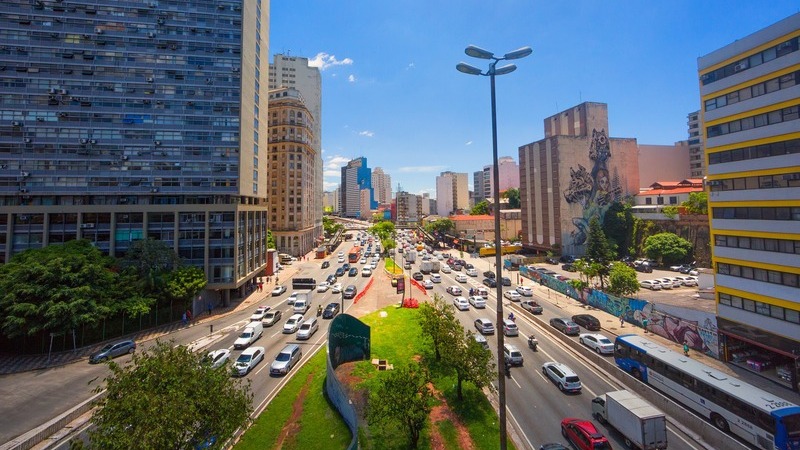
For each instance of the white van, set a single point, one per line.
(301, 306)
(251, 333)
(307, 329)
(512, 355)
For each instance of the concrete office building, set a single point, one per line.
(356, 176)
(663, 162)
(480, 186)
(330, 200)
(483, 180)
(572, 175)
(126, 121)
(382, 186)
(452, 193)
(292, 169)
(750, 97)
(409, 209)
(697, 157)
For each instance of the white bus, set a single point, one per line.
(757, 416)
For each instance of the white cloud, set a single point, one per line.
(329, 185)
(468, 143)
(421, 169)
(325, 61)
(329, 173)
(351, 78)
(366, 133)
(410, 66)
(336, 162)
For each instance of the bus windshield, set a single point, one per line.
(792, 424)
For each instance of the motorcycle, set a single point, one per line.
(319, 311)
(533, 342)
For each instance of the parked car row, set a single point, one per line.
(658, 284)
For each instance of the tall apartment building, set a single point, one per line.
(427, 204)
(382, 186)
(294, 71)
(663, 163)
(481, 185)
(452, 193)
(330, 200)
(409, 209)
(697, 157)
(572, 175)
(750, 92)
(356, 176)
(292, 169)
(129, 121)
(483, 180)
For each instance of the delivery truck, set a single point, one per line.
(426, 266)
(411, 256)
(641, 424)
(435, 266)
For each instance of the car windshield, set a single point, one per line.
(106, 348)
(305, 326)
(604, 341)
(243, 358)
(282, 357)
(246, 334)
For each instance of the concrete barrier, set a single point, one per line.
(44, 431)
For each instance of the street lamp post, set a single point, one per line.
(480, 53)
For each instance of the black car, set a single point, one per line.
(325, 264)
(339, 272)
(489, 274)
(506, 281)
(346, 266)
(567, 259)
(350, 291)
(469, 266)
(490, 282)
(644, 268)
(587, 321)
(417, 276)
(330, 311)
(353, 272)
(331, 279)
(568, 267)
(551, 260)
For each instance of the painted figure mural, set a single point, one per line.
(593, 190)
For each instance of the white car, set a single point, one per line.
(597, 342)
(525, 291)
(259, 314)
(472, 272)
(293, 324)
(336, 288)
(323, 287)
(218, 358)
(446, 269)
(366, 272)
(291, 298)
(512, 295)
(428, 284)
(477, 301)
(279, 289)
(461, 303)
(373, 266)
(362, 260)
(686, 281)
(650, 285)
(340, 259)
(436, 278)
(661, 283)
(461, 278)
(673, 281)
(248, 360)
(340, 254)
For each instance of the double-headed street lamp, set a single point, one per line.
(480, 53)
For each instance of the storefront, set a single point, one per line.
(771, 356)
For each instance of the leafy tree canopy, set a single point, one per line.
(167, 397)
(480, 209)
(440, 225)
(383, 229)
(150, 257)
(404, 399)
(618, 226)
(622, 280)
(512, 194)
(185, 282)
(439, 324)
(697, 203)
(667, 247)
(471, 361)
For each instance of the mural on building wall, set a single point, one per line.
(593, 190)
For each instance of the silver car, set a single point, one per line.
(111, 351)
(597, 342)
(286, 359)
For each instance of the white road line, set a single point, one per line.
(519, 428)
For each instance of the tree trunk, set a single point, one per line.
(458, 389)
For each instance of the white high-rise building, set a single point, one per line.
(452, 193)
(381, 186)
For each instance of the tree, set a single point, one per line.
(151, 259)
(441, 225)
(618, 226)
(512, 194)
(697, 203)
(57, 288)
(669, 248)
(383, 229)
(329, 226)
(271, 240)
(622, 280)
(184, 283)
(481, 208)
(598, 250)
(471, 362)
(167, 397)
(402, 396)
(439, 323)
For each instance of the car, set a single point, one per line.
(565, 326)
(525, 291)
(301, 305)
(461, 278)
(331, 311)
(686, 280)
(366, 272)
(489, 274)
(110, 351)
(436, 278)
(490, 282)
(271, 317)
(350, 291)
(286, 359)
(278, 290)
(562, 376)
(471, 272)
(642, 267)
(686, 269)
(417, 276)
(583, 434)
(532, 307)
(217, 358)
(456, 266)
(340, 254)
(671, 281)
(407, 266)
(352, 272)
(293, 323)
(339, 272)
(484, 326)
(505, 281)
(427, 284)
(461, 303)
(336, 288)
(340, 259)
(569, 267)
(650, 285)
(512, 355)
(291, 298)
(454, 290)
(247, 360)
(323, 286)
(251, 333)
(307, 329)
(481, 340)
(346, 266)
(587, 321)
(510, 328)
(325, 264)
(551, 260)
(477, 301)
(567, 258)
(552, 446)
(331, 279)
(512, 295)
(597, 342)
(661, 283)
(259, 314)
(446, 269)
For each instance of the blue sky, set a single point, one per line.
(390, 91)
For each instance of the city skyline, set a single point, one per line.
(400, 102)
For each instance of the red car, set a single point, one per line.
(583, 434)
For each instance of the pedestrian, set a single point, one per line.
(209, 308)
(189, 315)
(685, 348)
(622, 320)
(260, 286)
(644, 323)
(183, 318)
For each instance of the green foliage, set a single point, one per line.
(440, 225)
(471, 362)
(151, 259)
(402, 396)
(481, 208)
(439, 324)
(383, 229)
(512, 194)
(184, 283)
(667, 247)
(271, 240)
(671, 211)
(168, 398)
(330, 226)
(642, 229)
(57, 288)
(618, 226)
(697, 203)
(622, 280)
(598, 250)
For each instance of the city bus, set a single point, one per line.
(758, 417)
(354, 255)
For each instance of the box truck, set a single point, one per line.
(435, 266)
(411, 256)
(426, 266)
(641, 424)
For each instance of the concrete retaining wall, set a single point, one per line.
(39, 434)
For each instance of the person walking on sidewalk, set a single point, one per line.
(622, 320)
(644, 323)
(183, 318)
(685, 348)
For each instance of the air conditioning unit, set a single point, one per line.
(150, 79)
(84, 141)
(151, 34)
(123, 200)
(93, 141)
(63, 91)
(160, 21)
(98, 30)
(235, 69)
(40, 119)
(157, 143)
(154, 190)
(87, 225)
(52, 90)
(23, 218)
(739, 67)
(27, 140)
(24, 191)
(715, 183)
(124, 157)
(24, 174)
(16, 123)
(62, 114)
